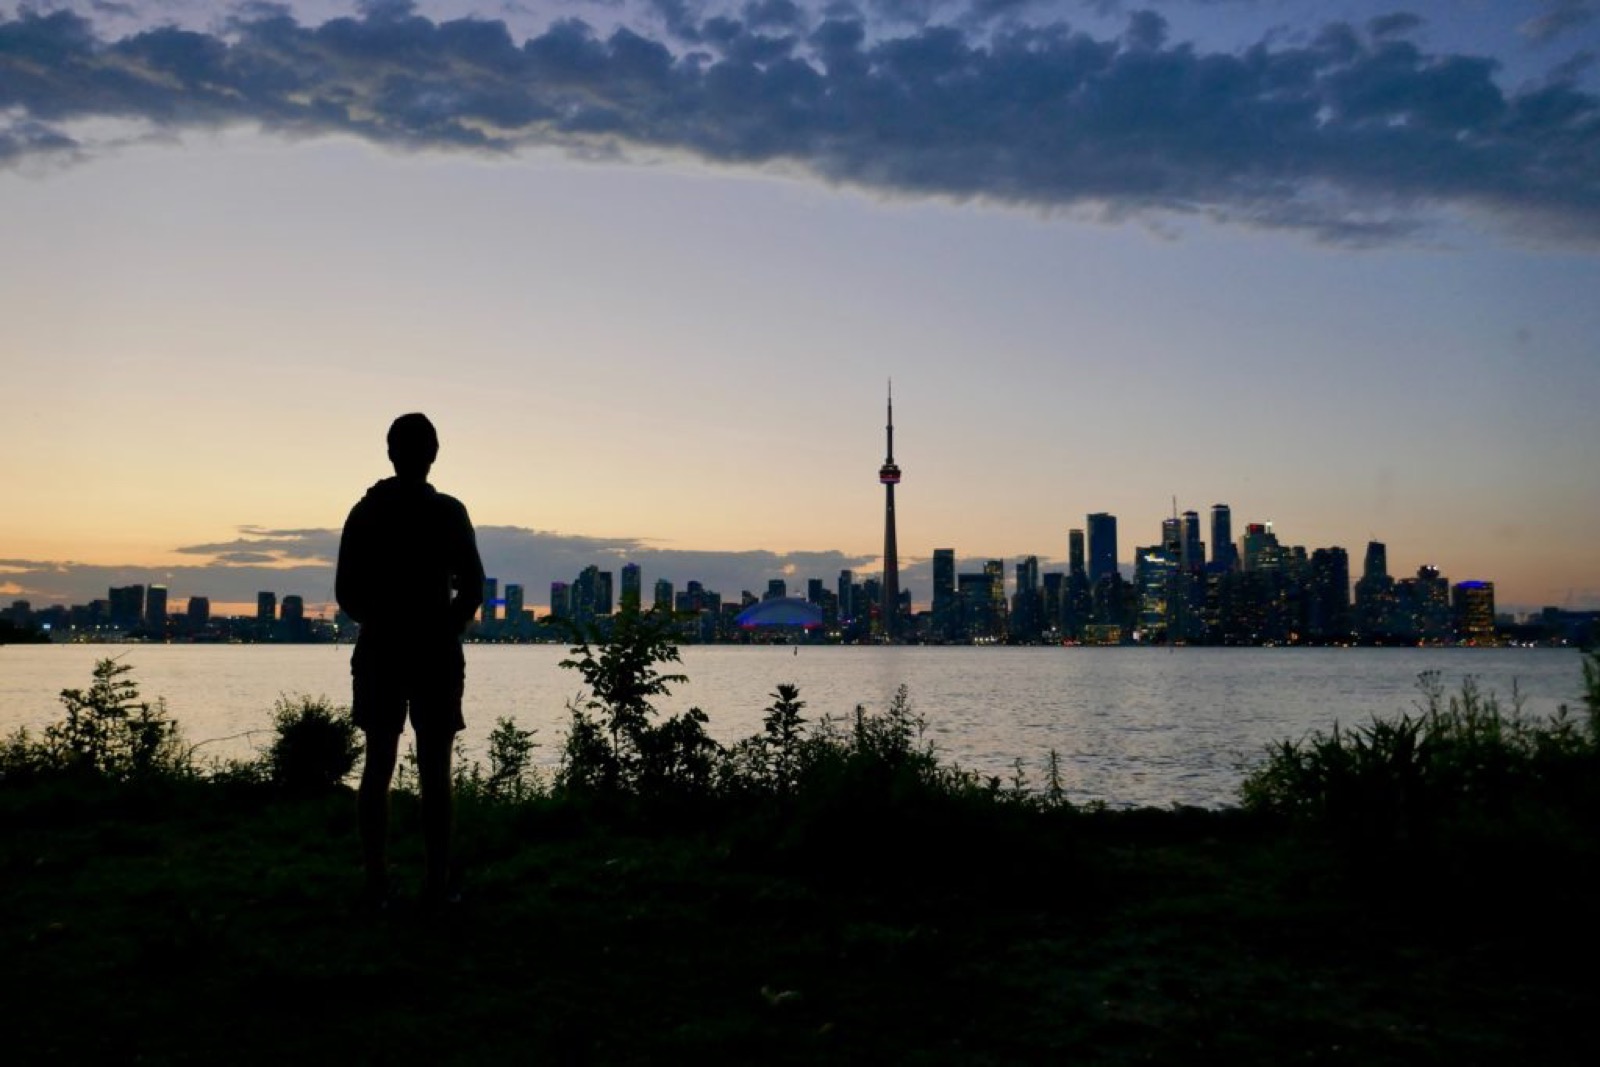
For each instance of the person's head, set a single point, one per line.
(413, 445)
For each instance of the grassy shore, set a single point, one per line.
(1409, 893)
(195, 923)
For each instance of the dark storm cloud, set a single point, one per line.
(1352, 135)
(302, 562)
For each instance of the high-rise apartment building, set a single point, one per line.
(1102, 546)
(127, 606)
(491, 600)
(514, 602)
(155, 608)
(663, 597)
(266, 607)
(198, 611)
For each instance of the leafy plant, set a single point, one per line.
(110, 732)
(612, 744)
(315, 745)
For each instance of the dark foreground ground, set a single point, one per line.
(206, 924)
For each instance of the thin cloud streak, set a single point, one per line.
(1356, 135)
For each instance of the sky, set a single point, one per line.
(650, 267)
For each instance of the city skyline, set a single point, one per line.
(1109, 552)
(1336, 270)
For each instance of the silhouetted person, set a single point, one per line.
(409, 573)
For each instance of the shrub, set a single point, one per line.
(1461, 757)
(109, 732)
(314, 747)
(612, 745)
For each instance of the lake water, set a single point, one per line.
(1132, 726)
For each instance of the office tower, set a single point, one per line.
(514, 598)
(603, 604)
(1172, 536)
(889, 475)
(1075, 553)
(198, 611)
(1102, 546)
(1053, 599)
(815, 591)
(847, 603)
(1376, 563)
(491, 596)
(1154, 570)
(127, 606)
(1194, 549)
(1223, 551)
(1375, 601)
(975, 595)
(1328, 616)
(777, 589)
(266, 607)
(1261, 548)
(1473, 604)
(632, 586)
(1427, 599)
(663, 597)
(945, 611)
(1026, 603)
(995, 570)
(560, 600)
(155, 607)
(1076, 605)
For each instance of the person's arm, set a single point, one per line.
(468, 568)
(350, 584)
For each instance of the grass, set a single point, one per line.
(867, 908)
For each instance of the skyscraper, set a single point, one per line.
(889, 475)
(1474, 610)
(1194, 549)
(1102, 546)
(1075, 553)
(944, 592)
(127, 606)
(1223, 552)
(266, 607)
(632, 586)
(491, 597)
(155, 608)
(513, 602)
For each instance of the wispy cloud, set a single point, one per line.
(1559, 18)
(1353, 135)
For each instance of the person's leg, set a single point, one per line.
(372, 804)
(433, 776)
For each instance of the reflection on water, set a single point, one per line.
(1132, 726)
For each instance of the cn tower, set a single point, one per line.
(889, 475)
